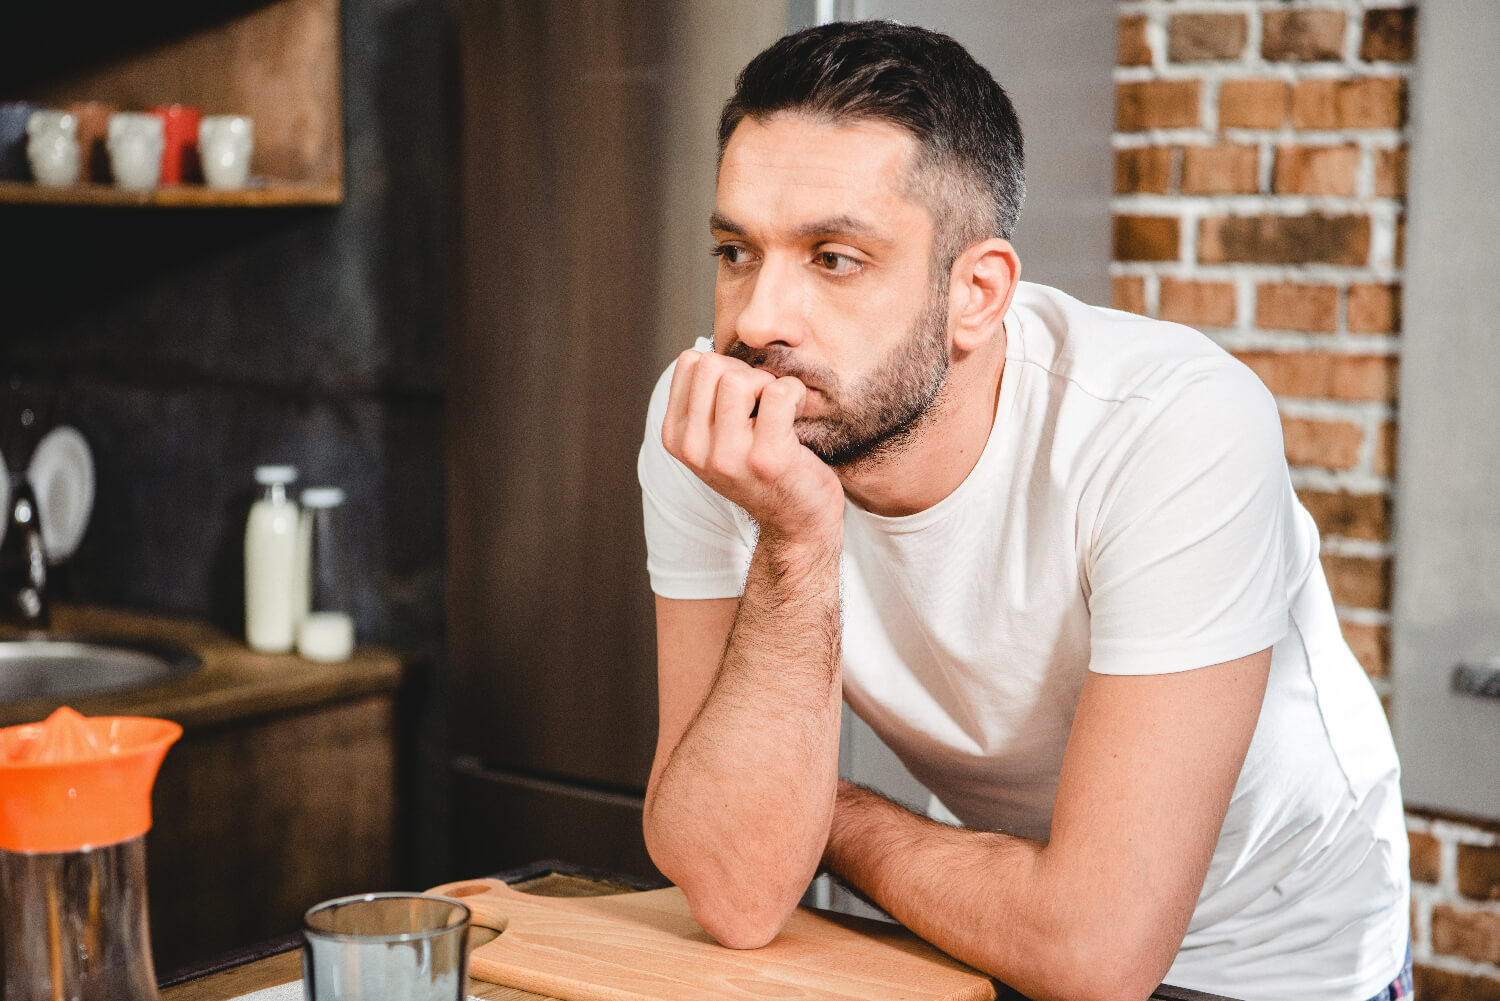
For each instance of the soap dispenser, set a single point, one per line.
(272, 588)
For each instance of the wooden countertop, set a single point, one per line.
(234, 682)
(281, 963)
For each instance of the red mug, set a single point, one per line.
(179, 152)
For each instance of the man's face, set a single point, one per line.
(824, 275)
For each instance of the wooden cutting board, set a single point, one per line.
(647, 947)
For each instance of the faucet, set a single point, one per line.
(23, 559)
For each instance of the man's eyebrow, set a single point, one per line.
(723, 224)
(839, 225)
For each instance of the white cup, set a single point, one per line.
(52, 148)
(135, 145)
(225, 143)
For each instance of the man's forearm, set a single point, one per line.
(739, 815)
(988, 899)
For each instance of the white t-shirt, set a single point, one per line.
(1131, 514)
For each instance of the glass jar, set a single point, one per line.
(326, 632)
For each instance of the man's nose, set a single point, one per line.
(773, 314)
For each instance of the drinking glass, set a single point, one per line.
(386, 947)
(52, 147)
(225, 144)
(135, 145)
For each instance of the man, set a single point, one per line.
(1050, 553)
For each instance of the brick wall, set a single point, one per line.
(1260, 184)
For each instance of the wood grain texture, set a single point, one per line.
(243, 977)
(647, 947)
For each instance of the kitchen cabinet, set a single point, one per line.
(256, 821)
(277, 61)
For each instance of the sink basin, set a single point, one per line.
(64, 666)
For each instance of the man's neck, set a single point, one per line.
(927, 468)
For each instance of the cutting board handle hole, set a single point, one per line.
(466, 891)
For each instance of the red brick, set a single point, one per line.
(1358, 582)
(1328, 444)
(1374, 309)
(1201, 37)
(1156, 104)
(1458, 931)
(1384, 461)
(1398, 255)
(1390, 172)
(1204, 304)
(1281, 239)
(1147, 170)
(1426, 855)
(1349, 516)
(1302, 35)
(1253, 104)
(1372, 103)
(1129, 293)
(1318, 375)
(1220, 170)
(1287, 306)
(1315, 104)
(1389, 35)
(1316, 170)
(1479, 871)
(1433, 984)
(1146, 238)
(1131, 45)
(1371, 646)
(1364, 103)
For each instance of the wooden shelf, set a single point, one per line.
(277, 61)
(258, 195)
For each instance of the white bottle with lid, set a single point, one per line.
(271, 592)
(326, 630)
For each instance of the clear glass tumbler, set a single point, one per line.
(386, 947)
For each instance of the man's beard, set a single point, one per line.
(883, 413)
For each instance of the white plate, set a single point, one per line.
(62, 476)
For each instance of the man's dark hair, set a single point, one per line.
(969, 169)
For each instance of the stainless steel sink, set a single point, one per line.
(64, 666)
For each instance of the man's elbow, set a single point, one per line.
(736, 926)
(740, 907)
(1107, 965)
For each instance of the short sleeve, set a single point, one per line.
(698, 544)
(1192, 554)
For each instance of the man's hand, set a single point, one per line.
(742, 788)
(733, 426)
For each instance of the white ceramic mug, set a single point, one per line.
(135, 146)
(52, 148)
(225, 143)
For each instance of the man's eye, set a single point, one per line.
(729, 253)
(836, 264)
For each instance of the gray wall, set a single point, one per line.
(1055, 60)
(1447, 587)
(189, 345)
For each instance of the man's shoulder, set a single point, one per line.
(1108, 353)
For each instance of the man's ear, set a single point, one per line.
(982, 283)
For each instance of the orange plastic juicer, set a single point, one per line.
(75, 805)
